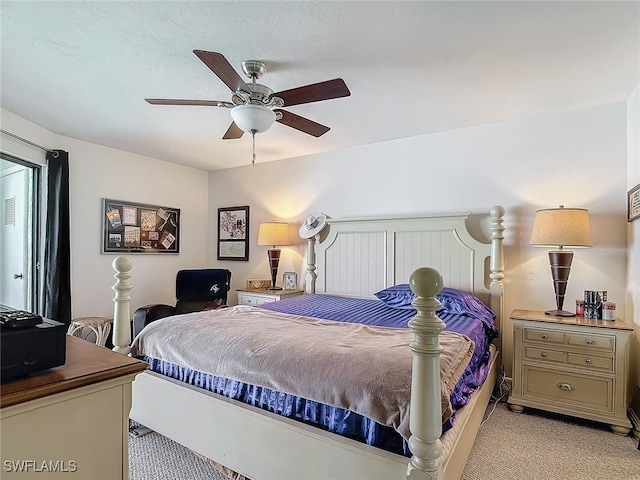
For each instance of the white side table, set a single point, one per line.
(100, 326)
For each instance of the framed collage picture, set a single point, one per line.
(233, 233)
(129, 227)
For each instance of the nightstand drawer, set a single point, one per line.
(579, 390)
(259, 296)
(542, 335)
(591, 361)
(244, 299)
(536, 353)
(596, 342)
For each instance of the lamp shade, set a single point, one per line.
(273, 233)
(561, 227)
(253, 118)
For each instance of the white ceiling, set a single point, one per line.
(82, 69)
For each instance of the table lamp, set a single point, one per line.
(273, 233)
(561, 227)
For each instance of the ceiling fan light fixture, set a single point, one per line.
(253, 118)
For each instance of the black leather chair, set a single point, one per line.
(196, 290)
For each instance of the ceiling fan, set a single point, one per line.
(254, 107)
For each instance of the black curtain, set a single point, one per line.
(57, 253)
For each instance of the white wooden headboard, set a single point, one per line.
(360, 256)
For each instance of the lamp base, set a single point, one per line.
(560, 313)
(274, 288)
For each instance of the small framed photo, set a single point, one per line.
(633, 203)
(290, 280)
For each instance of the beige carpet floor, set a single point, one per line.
(510, 446)
(536, 445)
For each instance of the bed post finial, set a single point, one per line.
(426, 408)
(121, 310)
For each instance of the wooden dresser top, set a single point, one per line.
(86, 364)
(538, 316)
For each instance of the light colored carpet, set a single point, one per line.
(540, 446)
(509, 446)
(153, 456)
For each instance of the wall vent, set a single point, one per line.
(10, 212)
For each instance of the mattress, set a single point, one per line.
(334, 419)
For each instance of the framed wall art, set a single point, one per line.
(633, 203)
(129, 227)
(233, 233)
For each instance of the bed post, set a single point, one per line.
(121, 310)
(496, 265)
(426, 407)
(311, 265)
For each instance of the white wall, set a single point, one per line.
(632, 298)
(575, 158)
(97, 172)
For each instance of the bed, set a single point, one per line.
(354, 258)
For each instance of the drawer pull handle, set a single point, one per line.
(588, 361)
(543, 354)
(589, 342)
(544, 336)
(566, 386)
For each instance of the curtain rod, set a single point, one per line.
(29, 142)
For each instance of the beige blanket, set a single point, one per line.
(361, 368)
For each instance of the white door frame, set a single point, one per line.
(19, 242)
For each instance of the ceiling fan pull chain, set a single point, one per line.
(253, 140)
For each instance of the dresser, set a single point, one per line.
(258, 296)
(71, 421)
(571, 365)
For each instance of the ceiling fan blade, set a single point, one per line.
(173, 101)
(316, 92)
(223, 69)
(233, 132)
(303, 124)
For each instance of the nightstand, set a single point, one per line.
(571, 365)
(259, 296)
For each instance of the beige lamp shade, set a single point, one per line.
(273, 233)
(561, 227)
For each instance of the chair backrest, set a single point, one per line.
(201, 289)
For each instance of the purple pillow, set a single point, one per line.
(452, 300)
(398, 296)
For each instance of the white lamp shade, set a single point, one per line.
(561, 227)
(253, 118)
(273, 233)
